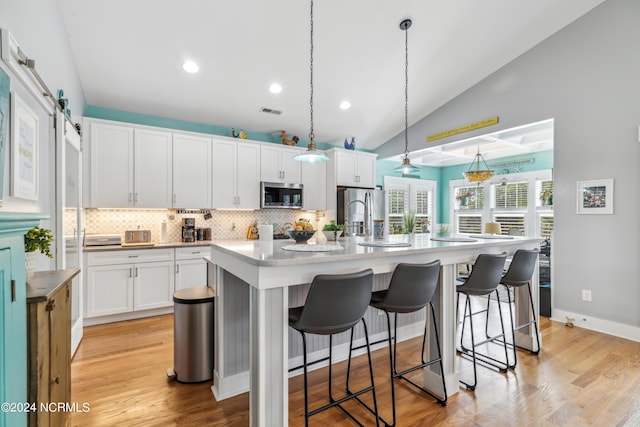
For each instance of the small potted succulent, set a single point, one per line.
(332, 231)
(36, 239)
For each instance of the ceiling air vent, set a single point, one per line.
(270, 111)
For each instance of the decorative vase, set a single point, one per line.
(30, 263)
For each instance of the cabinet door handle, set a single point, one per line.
(55, 380)
(136, 272)
(130, 197)
(177, 268)
(174, 198)
(130, 272)
(13, 290)
(135, 197)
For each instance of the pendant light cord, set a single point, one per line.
(311, 134)
(406, 90)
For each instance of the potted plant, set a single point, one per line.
(463, 198)
(36, 239)
(332, 231)
(546, 198)
(409, 222)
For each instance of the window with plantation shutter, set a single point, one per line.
(545, 226)
(470, 197)
(397, 204)
(469, 224)
(512, 224)
(544, 191)
(522, 203)
(409, 195)
(422, 198)
(511, 196)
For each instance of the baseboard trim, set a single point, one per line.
(91, 321)
(609, 327)
(230, 386)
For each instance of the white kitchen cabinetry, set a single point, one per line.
(130, 167)
(355, 169)
(236, 175)
(277, 164)
(191, 268)
(152, 169)
(191, 171)
(125, 281)
(314, 186)
(111, 166)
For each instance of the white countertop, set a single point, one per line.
(154, 246)
(270, 253)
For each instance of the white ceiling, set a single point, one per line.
(530, 138)
(129, 55)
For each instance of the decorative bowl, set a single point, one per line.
(332, 235)
(301, 236)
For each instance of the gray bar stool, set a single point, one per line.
(483, 280)
(411, 288)
(335, 303)
(519, 274)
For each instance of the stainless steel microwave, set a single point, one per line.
(280, 195)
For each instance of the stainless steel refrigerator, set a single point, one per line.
(358, 208)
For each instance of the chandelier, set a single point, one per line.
(477, 174)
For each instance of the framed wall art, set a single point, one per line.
(595, 196)
(24, 150)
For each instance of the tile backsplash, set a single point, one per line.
(225, 225)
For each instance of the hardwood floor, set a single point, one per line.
(580, 378)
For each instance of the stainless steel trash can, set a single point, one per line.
(193, 334)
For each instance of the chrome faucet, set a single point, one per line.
(367, 216)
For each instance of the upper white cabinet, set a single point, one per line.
(130, 167)
(152, 169)
(355, 169)
(277, 164)
(236, 175)
(191, 171)
(111, 166)
(314, 186)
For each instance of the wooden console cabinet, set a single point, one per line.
(49, 345)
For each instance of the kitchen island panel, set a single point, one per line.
(270, 273)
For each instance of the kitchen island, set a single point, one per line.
(264, 274)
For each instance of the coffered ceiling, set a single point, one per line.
(129, 56)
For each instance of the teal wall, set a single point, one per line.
(542, 161)
(143, 119)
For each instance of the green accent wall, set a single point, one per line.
(542, 161)
(163, 122)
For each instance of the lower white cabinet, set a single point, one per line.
(191, 268)
(128, 280)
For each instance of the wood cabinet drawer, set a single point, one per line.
(129, 256)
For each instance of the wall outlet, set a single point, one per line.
(586, 295)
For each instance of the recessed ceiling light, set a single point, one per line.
(275, 88)
(345, 105)
(190, 67)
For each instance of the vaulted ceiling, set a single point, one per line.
(129, 56)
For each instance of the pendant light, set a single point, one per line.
(312, 155)
(477, 174)
(406, 166)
